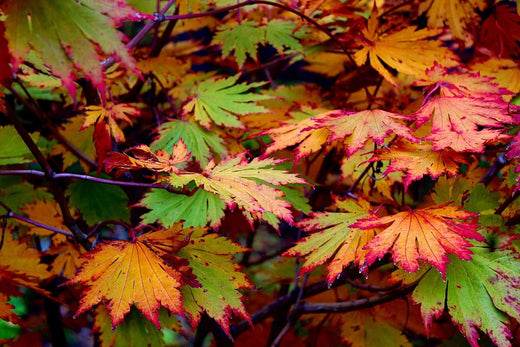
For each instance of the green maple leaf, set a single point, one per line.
(211, 259)
(69, 35)
(243, 39)
(13, 149)
(99, 202)
(221, 100)
(199, 209)
(200, 142)
(279, 34)
(480, 293)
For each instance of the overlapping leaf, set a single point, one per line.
(334, 238)
(418, 160)
(221, 101)
(355, 128)
(478, 294)
(109, 115)
(201, 143)
(211, 258)
(459, 15)
(426, 234)
(158, 161)
(456, 122)
(408, 51)
(240, 183)
(68, 35)
(123, 273)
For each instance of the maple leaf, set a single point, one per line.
(75, 34)
(243, 39)
(201, 143)
(426, 234)
(307, 133)
(240, 183)
(13, 149)
(199, 209)
(478, 294)
(6, 75)
(334, 238)
(418, 160)
(456, 121)
(505, 72)
(210, 256)
(47, 213)
(125, 273)
(67, 261)
(368, 327)
(408, 51)
(108, 115)
(221, 100)
(19, 266)
(459, 15)
(143, 157)
(500, 32)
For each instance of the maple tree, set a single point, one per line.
(259, 172)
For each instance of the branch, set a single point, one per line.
(494, 169)
(11, 214)
(59, 176)
(140, 35)
(354, 305)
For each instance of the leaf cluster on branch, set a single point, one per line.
(259, 172)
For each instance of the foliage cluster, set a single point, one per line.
(309, 172)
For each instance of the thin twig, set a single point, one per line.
(11, 214)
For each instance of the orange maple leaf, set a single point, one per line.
(158, 161)
(355, 128)
(426, 234)
(418, 160)
(109, 115)
(408, 51)
(456, 121)
(126, 273)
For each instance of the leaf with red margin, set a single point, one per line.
(426, 234)
(125, 273)
(211, 258)
(456, 121)
(250, 185)
(76, 36)
(108, 115)
(144, 158)
(355, 128)
(418, 160)
(334, 238)
(478, 294)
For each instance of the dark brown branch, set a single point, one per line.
(498, 165)
(354, 305)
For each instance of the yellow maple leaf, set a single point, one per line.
(408, 51)
(110, 114)
(459, 15)
(48, 213)
(125, 273)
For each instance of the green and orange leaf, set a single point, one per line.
(480, 293)
(77, 36)
(248, 185)
(334, 238)
(211, 258)
(426, 234)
